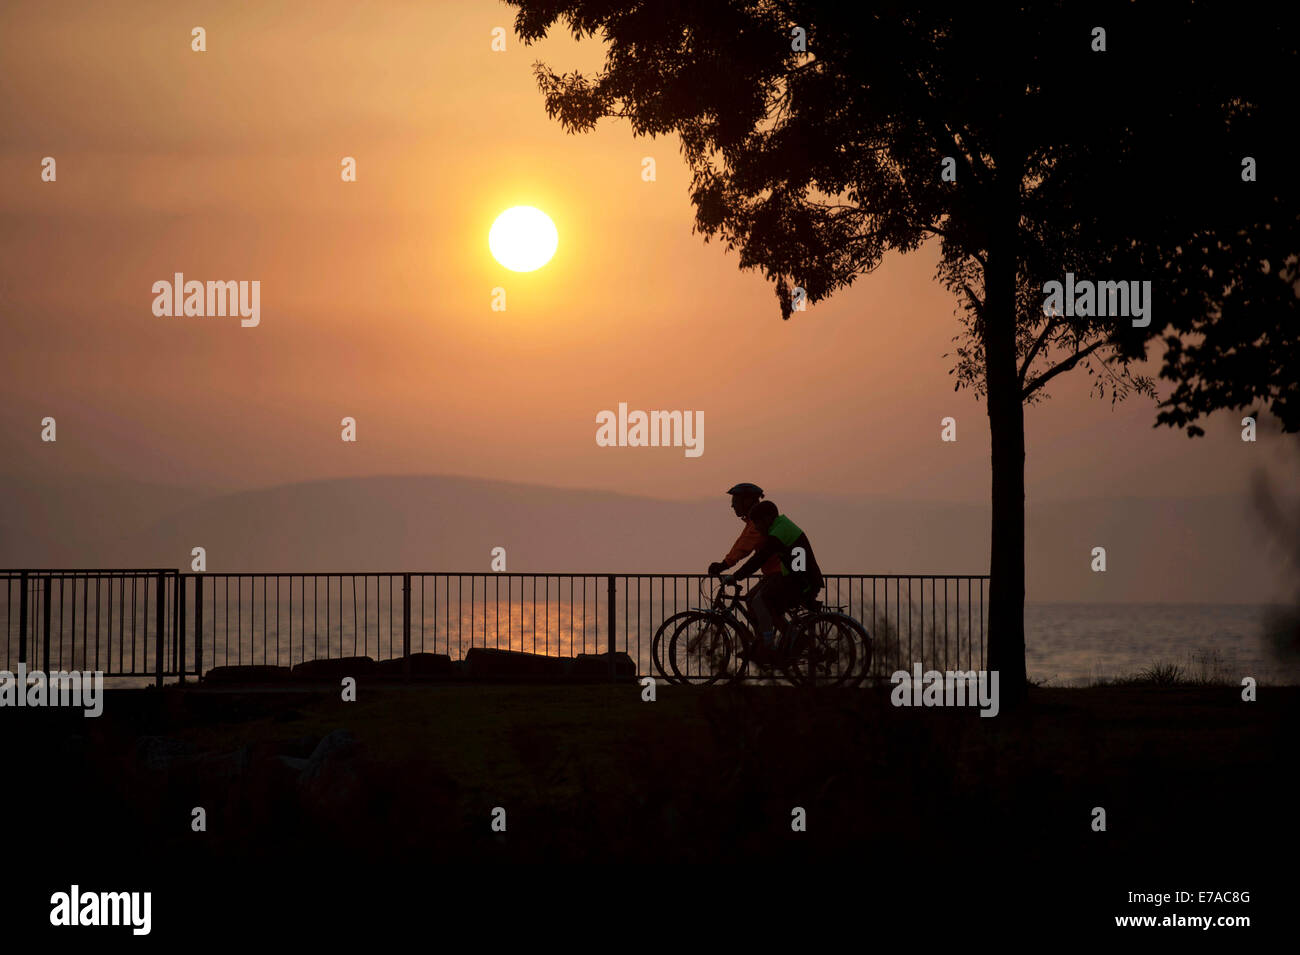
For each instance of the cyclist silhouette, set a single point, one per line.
(743, 499)
(799, 579)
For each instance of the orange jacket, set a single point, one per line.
(750, 540)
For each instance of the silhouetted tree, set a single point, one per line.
(1116, 165)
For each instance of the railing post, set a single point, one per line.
(198, 628)
(178, 628)
(160, 603)
(22, 623)
(49, 581)
(406, 626)
(612, 611)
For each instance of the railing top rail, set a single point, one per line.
(548, 573)
(88, 570)
(17, 573)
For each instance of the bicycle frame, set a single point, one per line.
(728, 609)
(734, 607)
(730, 605)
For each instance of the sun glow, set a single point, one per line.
(523, 239)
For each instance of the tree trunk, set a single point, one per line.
(1006, 621)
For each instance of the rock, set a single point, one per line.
(331, 670)
(302, 747)
(216, 772)
(161, 753)
(225, 676)
(334, 744)
(330, 782)
(422, 665)
(293, 763)
(596, 666)
(482, 662)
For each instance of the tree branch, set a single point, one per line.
(939, 128)
(1064, 366)
(1033, 352)
(943, 234)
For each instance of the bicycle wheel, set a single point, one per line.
(659, 643)
(822, 651)
(864, 649)
(703, 648)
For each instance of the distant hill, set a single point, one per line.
(1199, 550)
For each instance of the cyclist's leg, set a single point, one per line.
(782, 597)
(765, 614)
(775, 601)
(792, 595)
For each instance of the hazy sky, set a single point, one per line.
(375, 295)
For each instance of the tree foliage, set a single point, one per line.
(1123, 164)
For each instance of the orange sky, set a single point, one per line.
(375, 295)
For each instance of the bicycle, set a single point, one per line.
(665, 631)
(818, 646)
(823, 644)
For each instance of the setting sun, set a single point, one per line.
(523, 239)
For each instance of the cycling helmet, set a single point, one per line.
(746, 489)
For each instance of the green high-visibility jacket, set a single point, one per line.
(782, 538)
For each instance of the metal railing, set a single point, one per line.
(162, 623)
(121, 622)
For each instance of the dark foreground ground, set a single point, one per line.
(323, 813)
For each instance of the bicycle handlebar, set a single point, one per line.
(721, 593)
